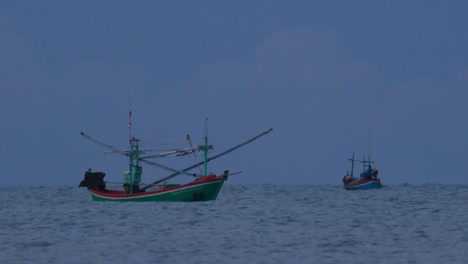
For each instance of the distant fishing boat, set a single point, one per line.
(368, 178)
(205, 187)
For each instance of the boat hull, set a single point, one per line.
(363, 184)
(199, 190)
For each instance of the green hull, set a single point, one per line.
(195, 191)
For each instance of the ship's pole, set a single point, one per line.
(131, 175)
(130, 139)
(205, 149)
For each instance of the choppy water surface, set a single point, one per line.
(247, 224)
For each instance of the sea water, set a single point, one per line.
(246, 224)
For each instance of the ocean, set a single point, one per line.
(246, 224)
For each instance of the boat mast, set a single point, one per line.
(130, 140)
(205, 149)
(130, 125)
(366, 162)
(132, 178)
(352, 164)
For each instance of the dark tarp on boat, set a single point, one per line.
(93, 180)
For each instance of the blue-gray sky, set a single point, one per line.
(389, 78)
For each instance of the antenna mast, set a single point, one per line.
(352, 159)
(369, 141)
(130, 125)
(129, 118)
(205, 150)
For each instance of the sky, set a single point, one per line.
(385, 79)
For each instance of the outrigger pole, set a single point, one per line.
(207, 160)
(115, 150)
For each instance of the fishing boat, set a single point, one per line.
(204, 187)
(367, 180)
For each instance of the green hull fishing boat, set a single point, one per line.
(199, 190)
(205, 187)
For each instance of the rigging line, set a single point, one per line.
(167, 168)
(194, 154)
(209, 159)
(101, 143)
